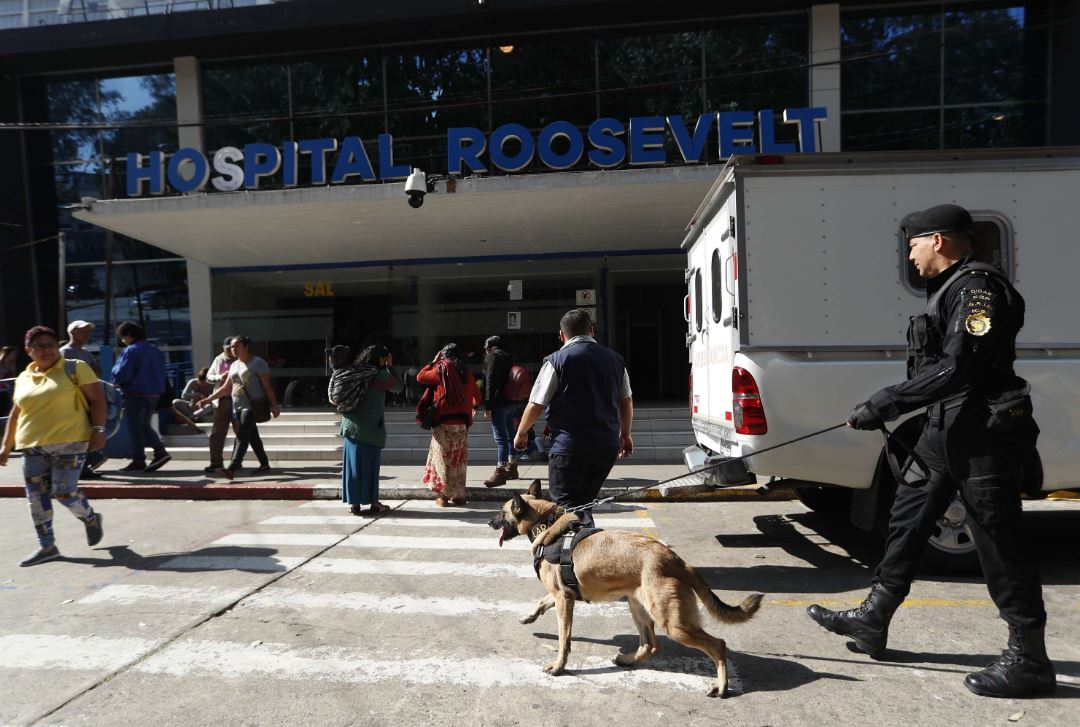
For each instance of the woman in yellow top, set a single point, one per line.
(49, 425)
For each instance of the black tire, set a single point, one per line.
(834, 502)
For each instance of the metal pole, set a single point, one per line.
(108, 338)
(61, 261)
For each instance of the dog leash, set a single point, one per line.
(706, 468)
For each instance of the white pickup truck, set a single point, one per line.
(799, 298)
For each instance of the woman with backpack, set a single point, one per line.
(455, 396)
(363, 430)
(50, 427)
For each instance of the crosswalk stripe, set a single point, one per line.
(280, 661)
(131, 593)
(315, 520)
(416, 568)
(257, 563)
(477, 507)
(422, 522)
(278, 539)
(361, 540)
(47, 651)
(352, 601)
(400, 604)
(433, 522)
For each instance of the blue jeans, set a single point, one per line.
(502, 427)
(137, 411)
(53, 476)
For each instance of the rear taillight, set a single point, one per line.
(746, 401)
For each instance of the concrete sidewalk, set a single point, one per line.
(308, 480)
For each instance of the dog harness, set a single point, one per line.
(561, 553)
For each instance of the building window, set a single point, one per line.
(952, 76)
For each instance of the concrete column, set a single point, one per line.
(203, 348)
(189, 101)
(825, 70)
(188, 110)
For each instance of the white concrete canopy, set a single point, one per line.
(530, 214)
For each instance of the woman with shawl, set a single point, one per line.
(456, 395)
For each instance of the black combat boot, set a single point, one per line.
(867, 625)
(1022, 670)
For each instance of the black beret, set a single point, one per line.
(943, 218)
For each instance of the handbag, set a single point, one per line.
(260, 408)
(518, 385)
(425, 409)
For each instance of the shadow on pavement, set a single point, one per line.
(258, 560)
(746, 672)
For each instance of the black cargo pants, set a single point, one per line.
(986, 469)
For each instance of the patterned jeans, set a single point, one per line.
(53, 472)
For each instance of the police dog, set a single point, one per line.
(614, 564)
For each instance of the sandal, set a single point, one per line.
(459, 501)
(378, 508)
(441, 501)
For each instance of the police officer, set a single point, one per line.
(977, 437)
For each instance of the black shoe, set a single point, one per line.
(1022, 670)
(134, 467)
(356, 509)
(158, 461)
(867, 625)
(213, 469)
(94, 530)
(97, 465)
(89, 474)
(42, 555)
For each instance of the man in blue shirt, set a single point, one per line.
(140, 375)
(590, 410)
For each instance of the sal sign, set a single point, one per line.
(605, 143)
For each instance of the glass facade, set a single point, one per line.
(293, 316)
(948, 76)
(147, 284)
(913, 76)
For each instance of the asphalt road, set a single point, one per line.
(283, 613)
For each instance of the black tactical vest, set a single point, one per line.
(926, 331)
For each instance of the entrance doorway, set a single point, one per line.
(649, 334)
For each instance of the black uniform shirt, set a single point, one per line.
(978, 344)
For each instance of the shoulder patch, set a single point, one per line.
(978, 303)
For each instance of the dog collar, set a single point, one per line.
(536, 530)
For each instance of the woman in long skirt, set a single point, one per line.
(363, 430)
(456, 395)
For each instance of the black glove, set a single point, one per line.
(865, 416)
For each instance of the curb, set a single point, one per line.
(306, 491)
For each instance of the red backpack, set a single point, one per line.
(518, 384)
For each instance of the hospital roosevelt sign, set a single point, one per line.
(607, 143)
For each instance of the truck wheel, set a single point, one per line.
(951, 549)
(828, 501)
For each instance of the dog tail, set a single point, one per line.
(722, 612)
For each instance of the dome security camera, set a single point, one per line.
(416, 188)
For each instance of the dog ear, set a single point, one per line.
(534, 489)
(517, 505)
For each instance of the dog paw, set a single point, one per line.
(717, 692)
(528, 619)
(624, 660)
(554, 669)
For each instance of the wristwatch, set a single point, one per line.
(99, 429)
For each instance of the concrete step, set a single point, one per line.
(420, 438)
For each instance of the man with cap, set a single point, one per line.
(219, 429)
(74, 350)
(78, 337)
(961, 351)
